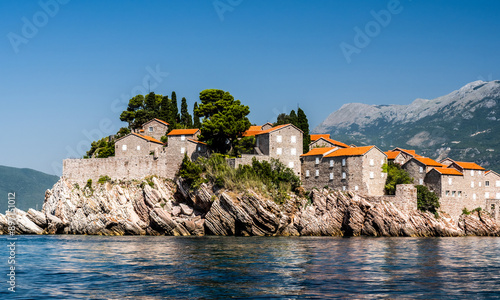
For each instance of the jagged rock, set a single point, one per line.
(479, 224)
(54, 224)
(24, 225)
(37, 217)
(186, 210)
(162, 221)
(176, 210)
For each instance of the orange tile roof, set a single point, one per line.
(318, 151)
(411, 152)
(272, 129)
(141, 130)
(392, 154)
(161, 121)
(429, 162)
(148, 138)
(337, 143)
(318, 136)
(198, 142)
(469, 165)
(448, 171)
(183, 132)
(253, 130)
(353, 151)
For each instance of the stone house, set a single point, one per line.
(395, 157)
(357, 169)
(447, 161)
(283, 142)
(473, 184)
(183, 141)
(135, 144)
(492, 193)
(403, 156)
(418, 167)
(326, 142)
(154, 128)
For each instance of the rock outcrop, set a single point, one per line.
(163, 207)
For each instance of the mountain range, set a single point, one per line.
(28, 185)
(463, 125)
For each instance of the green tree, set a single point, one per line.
(150, 103)
(101, 149)
(165, 111)
(303, 124)
(186, 118)
(225, 119)
(427, 200)
(134, 110)
(175, 108)
(292, 118)
(395, 175)
(196, 121)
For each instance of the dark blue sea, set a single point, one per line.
(140, 267)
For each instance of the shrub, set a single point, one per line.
(89, 188)
(149, 180)
(89, 184)
(104, 179)
(427, 200)
(465, 211)
(395, 175)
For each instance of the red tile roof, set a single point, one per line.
(161, 121)
(353, 151)
(318, 136)
(469, 165)
(253, 130)
(411, 152)
(448, 171)
(272, 129)
(429, 162)
(183, 132)
(319, 151)
(337, 143)
(392, 154)
(198, 142)
(148, 138)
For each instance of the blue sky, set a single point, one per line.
(69, 67)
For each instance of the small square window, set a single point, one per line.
(183, 150)
(447, 193)
(331, 163)
(343, 162)
(343, 175)
(486, 183)
(472, 184)
(459, 193)
(471, 172)
(450, 181)
(307, 173)
(474, 196)
(421, 181)
(151, 129)
(278, 138)
(487, 195)
(279, 151)
(317, 173)
(293, 151)
(372, 175)
(454, 193)
(138, 148)
(421, 169)
(497, 196)
(316, 161)
(293, 139)
(199, 148)
(355, 187)
(344, 188)
(183, 137)
(479, 183)
(372, 162)
(124, 147)
(290, 164)
(331, 176)
(497, 183)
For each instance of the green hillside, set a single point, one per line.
(29, 186)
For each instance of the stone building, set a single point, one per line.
(326, 142)
(185, 142)
(135, 144)
(403, 155)
(492, 193)
(395, 157)
(473, 184)
(418, 167)
(154, 128)
(447, 161)
(356, 169)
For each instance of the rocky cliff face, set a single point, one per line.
(162, 207)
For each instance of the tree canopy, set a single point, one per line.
(224, 119)
(395, 175)
(298, 119)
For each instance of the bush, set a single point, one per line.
(104, 179)
(465, 211)
(395, 176)
(427, 200)
(88, 187)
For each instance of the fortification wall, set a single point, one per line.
(246, 159)
(405, 198)
(119, 168)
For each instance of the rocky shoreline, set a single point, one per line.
(162, 207)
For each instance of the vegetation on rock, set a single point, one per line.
(427, 200)
(395, 175)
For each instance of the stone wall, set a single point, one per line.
(405, 198)
(136, 146)
(246, 159)
(416, 170)
(493, 207)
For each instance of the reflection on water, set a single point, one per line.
(83, 267)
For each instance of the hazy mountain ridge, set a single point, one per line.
(29, 186)
(463, 124)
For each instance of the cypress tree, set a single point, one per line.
(164, 112)
(186, 118)
(150, 103)
(175, 108)
(293, 119)
(303, 124)
(196, 122)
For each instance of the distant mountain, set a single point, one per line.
(463, 125)
(29, 186)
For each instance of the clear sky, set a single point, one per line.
(68, 68)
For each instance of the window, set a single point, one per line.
(372, 175)
(382, 161)
(459, 193)
(293, 139)
(279, 151)
(472, 184)
(372, 162)
(183, 150)
(486, 183)
(479, 183)
(479, 173)
(331, 176)
(447, 193)
(331, 163)
(293, 151)
(317, 160)
(343, 175)
(138, 148)
(344, 187)
(420, 181)
(183, 137)
(454, 193)
(343, 162)
(290, 164)
(355, 187)
(471, 172)
(487, 195)
(150, 129)
(449, 181)
(199, 148)
(497, 196)
(278, 138)
(317, 173)
(421, 169)
(474, 196)
(124, 147)
(307, 173)
(497, 184)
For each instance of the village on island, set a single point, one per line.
(328, 163)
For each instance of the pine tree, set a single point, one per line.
(165, 110)
(292, 118)
(303, 124)
(186, 118)
(150, 103)
(196, 122)
(175, 108)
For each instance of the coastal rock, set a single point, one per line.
(24, 225)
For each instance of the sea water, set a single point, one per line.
(143, 267)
